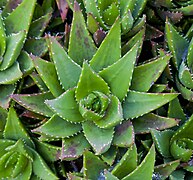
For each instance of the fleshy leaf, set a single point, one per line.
(144, 123)
(110, 155)
(104, 137)
(68, 71)
(113, 114)
(81, 45)
(121, 71)
(5, 92)
(138, 103)
(62, 128)
(166, 169)
(108, 176)
(145, 75)
(145, 169)
(3, 117)
(190, 55)
(104, 56)
(162, 141)
(10, 75)
(66, 106)
(20, 18)
(93, 166)
(74, 147)
(2, 38)
(127, 163)
(34, 102)
(48, 74)
(14, 46)
(176, 43)
(40, 168)
(15, 130)
(124, 135)
(89, 81)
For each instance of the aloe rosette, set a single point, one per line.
(19, 158)
(181, 48)
(94, 93)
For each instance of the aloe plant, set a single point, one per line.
(18, 158)
(86, 96)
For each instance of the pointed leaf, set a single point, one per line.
(67, 70)
(104, 56)
(162, 141)
(34, 102)
(62, 128)
(138, 103)
(81, 45)
(104, 137)
(5, 92)
(109, 176)
(176, 43)
(66, 106)
(149, 121)
(121, 71)
(127, 163)
(93, 166)
(89, 81)
(10, 75)
(48, 74)
(15, 130)
(166, 169)
(190, 55)
(145, 75)
(14, 45)
(20, 18)
(110, 155)
(145, 169)
(124, 135)
(74, 147)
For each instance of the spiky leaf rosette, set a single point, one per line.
(18, 157)
(96, 94)
(102, 14)
(182, 51)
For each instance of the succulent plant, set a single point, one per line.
(181, 49)
(18, 158)
(94, 91)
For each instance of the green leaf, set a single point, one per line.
(92, 24)
(15, 130)
(127, 22)
(145, 169)
(34, 102)
(104, 137)
(20, 18)
(62, 128)
(139, 6)
(104, 56)
(74, 147)
(166, 169)
(109, 176)
(2, 38)
(68, 71)
(89, 81)
(110, 155)
(176, 43)
(48, 74)
(40, 168)
(113, 114)
(190, 55)
(162, 141)
(124, 135)
(38, 26)
(10, 75)
(14, 45)
(66, 106)
(5, 92)
(81, 45)
(149, 121)
(121, 71)
(138, 103)
(3, 117)
(145, 75)
(127, 163)
(92, 166)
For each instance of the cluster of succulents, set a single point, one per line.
(96, 89)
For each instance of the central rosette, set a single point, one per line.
(93, 106)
